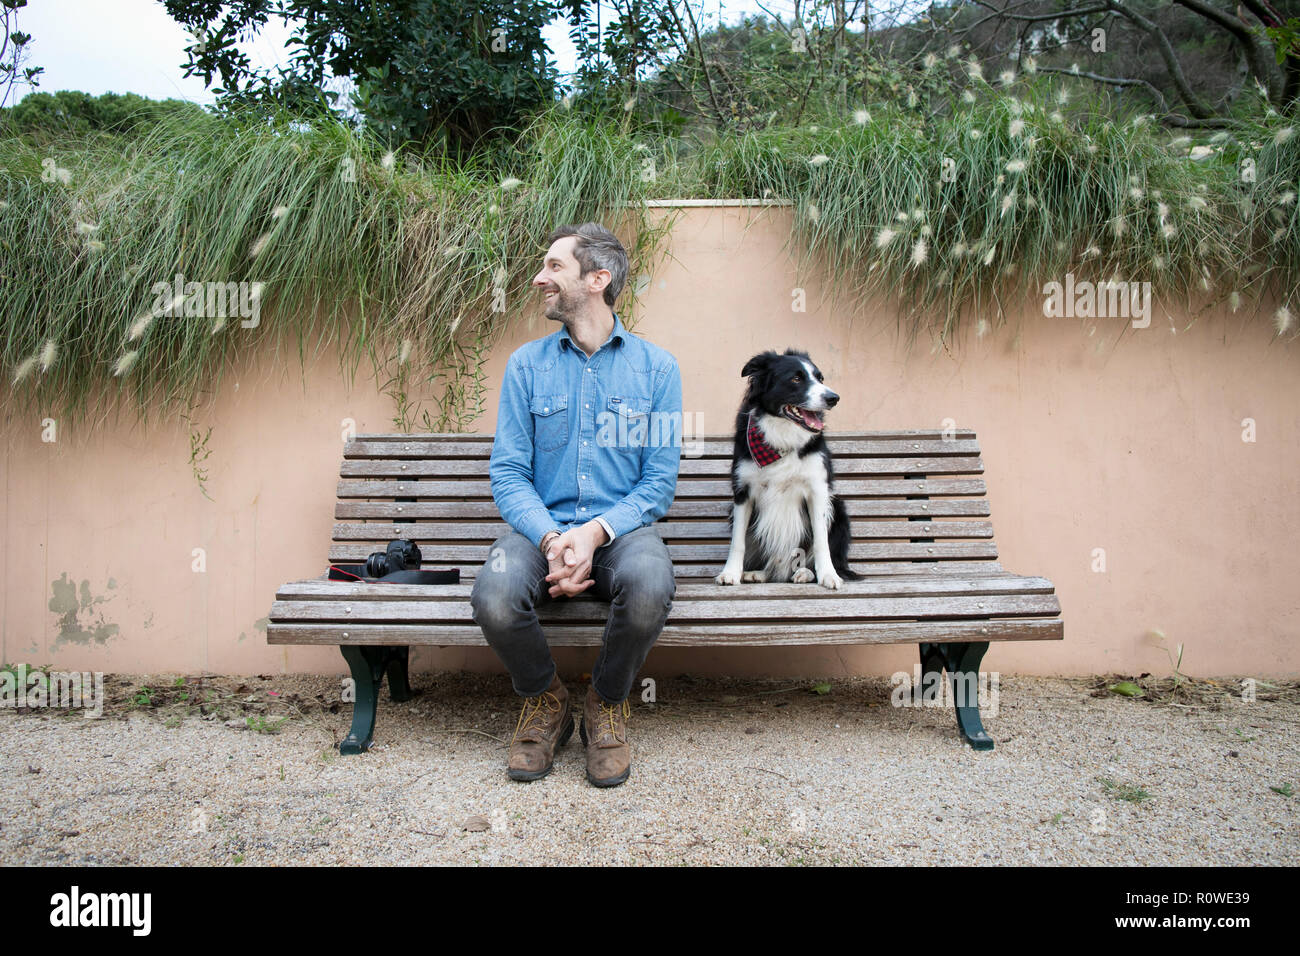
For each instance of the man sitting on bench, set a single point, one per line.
(579, 474)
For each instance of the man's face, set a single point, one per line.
(564, 289)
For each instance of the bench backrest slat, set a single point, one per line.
(914, 498)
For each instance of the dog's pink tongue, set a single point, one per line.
(811, 420)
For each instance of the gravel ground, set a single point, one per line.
(723, 772)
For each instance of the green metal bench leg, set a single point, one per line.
(962, 662)
(366, 677)
(368, 666)
(964, 665)
(399, 686)
(932, 665)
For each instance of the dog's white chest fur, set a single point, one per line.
(779, 534)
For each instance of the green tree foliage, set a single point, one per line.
(14, 52)
(1189, 61)
(74, 112)
(462, 70)
(620, 50)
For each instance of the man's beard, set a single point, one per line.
(564, 307)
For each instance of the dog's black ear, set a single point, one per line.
(758, 363)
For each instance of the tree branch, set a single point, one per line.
(699, 52)
(1260, 68)
(1166, 49)
(1108, 81)
(1035, 18)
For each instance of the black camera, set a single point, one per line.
(402, 555)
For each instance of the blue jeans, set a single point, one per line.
(633, 573)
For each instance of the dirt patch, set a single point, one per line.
(263, 703)
(1194, 692)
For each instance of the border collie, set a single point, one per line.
(781, 474)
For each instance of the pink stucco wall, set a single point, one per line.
(1094, 435)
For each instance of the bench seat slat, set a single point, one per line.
(683, 635)
(886, 584)
(788, 609)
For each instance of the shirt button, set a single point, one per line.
(582, 508)
(584, 443)
(545, 409)
(589, 404)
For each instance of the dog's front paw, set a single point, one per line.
(754, 577)
(830, 580)
(802, 575)
(729, 575)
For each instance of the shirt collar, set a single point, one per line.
(617, 335)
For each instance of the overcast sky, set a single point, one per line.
(133, 46)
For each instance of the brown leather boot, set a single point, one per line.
(544, 726)
(604, 731)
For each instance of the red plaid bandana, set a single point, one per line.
(764, 454)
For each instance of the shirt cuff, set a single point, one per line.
(535, 524)
(624, 515)
(608, 530)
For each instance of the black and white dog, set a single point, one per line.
(785, 515)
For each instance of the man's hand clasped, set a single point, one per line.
(569, 556)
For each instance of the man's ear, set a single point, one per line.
(758, 363)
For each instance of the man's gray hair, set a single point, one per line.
(597, 248)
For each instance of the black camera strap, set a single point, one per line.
(357, 572)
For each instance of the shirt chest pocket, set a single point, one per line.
(550, 421)
(627, 421)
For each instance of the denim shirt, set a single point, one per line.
(583, 438)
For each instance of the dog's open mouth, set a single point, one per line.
(808, 419)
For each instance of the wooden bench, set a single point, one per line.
(921, 534)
